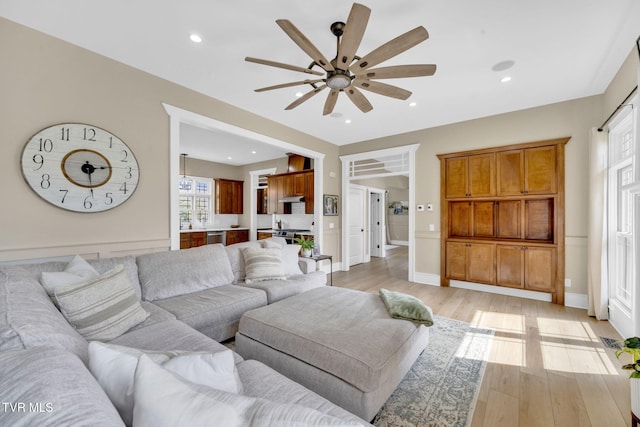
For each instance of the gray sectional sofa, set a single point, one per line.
(191, 300)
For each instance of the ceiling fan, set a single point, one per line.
(348, 72)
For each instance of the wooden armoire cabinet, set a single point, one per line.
(502, 216)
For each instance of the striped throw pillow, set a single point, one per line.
(263, 264)
(102, 308)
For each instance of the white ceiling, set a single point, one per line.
(562, 50)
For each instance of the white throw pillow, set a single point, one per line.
(263, 264)
(77, 271)
(290, 255)
(163, 399)
(114, 366)
(102, 308)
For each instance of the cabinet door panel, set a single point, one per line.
(298, 184)
(483, 219)
(510, 266)
(508, 219)
(540, 170)
(540, 269)
(539, 219)
(460, 219)
(456, 177)
(510, 177)
(309, 204)
(481, 261)
(456, 260)
(481, 175)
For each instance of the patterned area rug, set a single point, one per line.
(441, 389)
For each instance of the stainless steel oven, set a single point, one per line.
(288, 233)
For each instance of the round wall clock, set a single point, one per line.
(80, 167)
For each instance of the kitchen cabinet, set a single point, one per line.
(470, 175)
(228, 196)
(503, 216)
(192, 239)
(236, 236)
(264, 234)
(287, 185)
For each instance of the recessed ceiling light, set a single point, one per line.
(195, 38)
(347, 121)
(412, 104)
(229, 158)
(505, 79)
(253, 152)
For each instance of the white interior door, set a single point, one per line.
(356, 225)
(376, 225)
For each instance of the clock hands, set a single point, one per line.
(89, 169)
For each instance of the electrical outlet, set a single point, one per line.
(567, 283)
(331, 225)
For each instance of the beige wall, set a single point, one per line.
(44, 81)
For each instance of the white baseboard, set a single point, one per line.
(576, 300)
(426, 278)
(522, 293)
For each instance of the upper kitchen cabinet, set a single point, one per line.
(470, 176)
(291, 184)
(527, 171)
(229, 196)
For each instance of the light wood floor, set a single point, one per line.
(547, 367)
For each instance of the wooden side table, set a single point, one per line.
(318, 258)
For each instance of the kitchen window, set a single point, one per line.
(196, 201)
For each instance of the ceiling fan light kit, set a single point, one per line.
(348, 72)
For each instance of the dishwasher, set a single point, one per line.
(215, 237)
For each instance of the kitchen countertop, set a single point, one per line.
(186, 230)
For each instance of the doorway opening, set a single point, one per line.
(380, 164)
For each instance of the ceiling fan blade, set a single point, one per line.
(399, 71)
(330, 103)
(304, 43)
(281, 65)
(382, 88)
(358, 99)
(352, 36)
(305, 97)
(283, 85)
(390, 49)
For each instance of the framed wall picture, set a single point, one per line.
(330, 205)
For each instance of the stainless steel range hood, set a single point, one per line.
(292, 199)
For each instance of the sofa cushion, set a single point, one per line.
(277, 290)
(263, 264)
(170, 335)
(205, 309)
(103, 308)
(29, 319)
(114, 367)
(56, 389)
(163, 399)
(290, 256)
(237, 259)
(167, 274)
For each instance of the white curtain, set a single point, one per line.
(598, 285)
